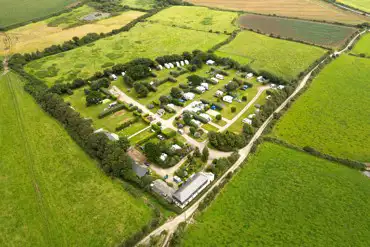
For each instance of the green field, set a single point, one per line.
(18, 11)
(358, 4)
(332, 116)
(144, 40)
(198, 18)
(285, 198)
(322, 34)
(52, 193)
(362, 46)
(71, 18)
(140, 4)
(285, 59)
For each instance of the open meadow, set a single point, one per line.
(198, 18)
(140, 4)
(358, 4)
(144, 40)
(53, 31)
(284, 197)
(282, 58)
(322, 34)
(304, 9)
(18, 11)
(52, 193)
(332, 115)
(362, 46)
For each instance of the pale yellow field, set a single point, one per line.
(37, 36)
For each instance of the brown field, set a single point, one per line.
(37, 36)
(305, 9)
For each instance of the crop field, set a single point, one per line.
(362, 46)
(331, 115)
(358, 4)
(284, 197)
(283, 58)
(52, 193)
(18, 11)
(198, 18)
(39, 35)
(140, 4)
(327, 35)
(144, 40)
(303, 9)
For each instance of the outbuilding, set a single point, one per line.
(210, 62)
(186, 62)
(247, 121)
(163, 157)
(220, 77)
(205, 85)
(189, 96)
(182, 63)
(201, 88)
(113, 77)
(228, 99)
(219, 93)
(260, 79)
(249, 75)
(214, 79)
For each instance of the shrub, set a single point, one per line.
(111, 110)
(218, 117)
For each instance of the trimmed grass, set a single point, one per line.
(39, 35)
(140, 4)
(284, 197)
(18, 11)
(322, 34)
(52, 193)
(332, 116)
(362, 46)
(209, 127)
(285, 59)
(70, 18)
(358, 4)
(144, 40)
(198, 18)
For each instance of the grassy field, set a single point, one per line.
(140, 4)
(282, 58)
(198, 18)
(52, 193)
(71, 18)
(332, 115)
(144, 40)
(303, 9)
(37, 36)
(358, 4)
(327, 35)
(287, 198)
(18, 11)
(362, 46)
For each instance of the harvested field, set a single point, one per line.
(322, 34)
(37, 36)
(305, 9)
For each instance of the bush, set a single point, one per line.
(218, 117)
(233, 109)
(168, 133)
(111, 111)
(127, 124)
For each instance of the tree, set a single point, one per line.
(192, 130)
(138, 72)
(123, 143)
(231, 86)
(152, 151)
(141, 90)
(94, 98)
(197, 152)
(205, 154)
(176, 92)
(218, 117)
(247, 129)
(244, 98)
(233, 109)
(195, 80)
(164, 99)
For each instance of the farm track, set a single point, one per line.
(8, 45)
(30, 157)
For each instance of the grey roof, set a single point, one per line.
(161, 187)
(191, 186)
(140, 170)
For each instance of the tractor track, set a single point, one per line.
(30, 157)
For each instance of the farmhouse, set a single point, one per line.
(206, 116)
(228, 99)
(192, 187)
(189, 96)
(220, 77)
(160, 187)
(210, 62)
(201, 89)
(247, 121)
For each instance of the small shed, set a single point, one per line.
(189, 96)
(205, 85)
(249, 75)
(210, 62)
(163, 156)
(247, 121)
(201, 88)
(186, 62)
(228, 99)
(214, 79)
(140, 170)
(220, 77)
(219, 93)
(182, 63)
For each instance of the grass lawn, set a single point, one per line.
(141, 136)
(198, 18)
(219, 122)
(283, 58)
(136, 127)
(358, 4)
(323, 34)
(39, 35)
(362, 46)
(144, 40)
(331, 116)
(209, 127)
(52, 193)
(18, 11)
(78, 102)
(140, 4)
(284, 198)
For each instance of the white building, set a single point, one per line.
(249, 75)
(205, 85)
(219, 93)
(113, 76)
(163, 156)
(171, 65)
(200, 88)
(228, 99)
(123, 73)
(112, 104)
(214, 79)
(175, 147)
(272, 85)
(281, 87)
(182, 63)
(160, 67)
(167, 66)
(189, 96)
(220, 77)
(210, 62)
(260, 79)
(192, 187)
(268, 97)
(178, 64)
(196, 122)
(206, 116)
(247, 121)
(177, 180)
(186, 62)
(251, 116)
